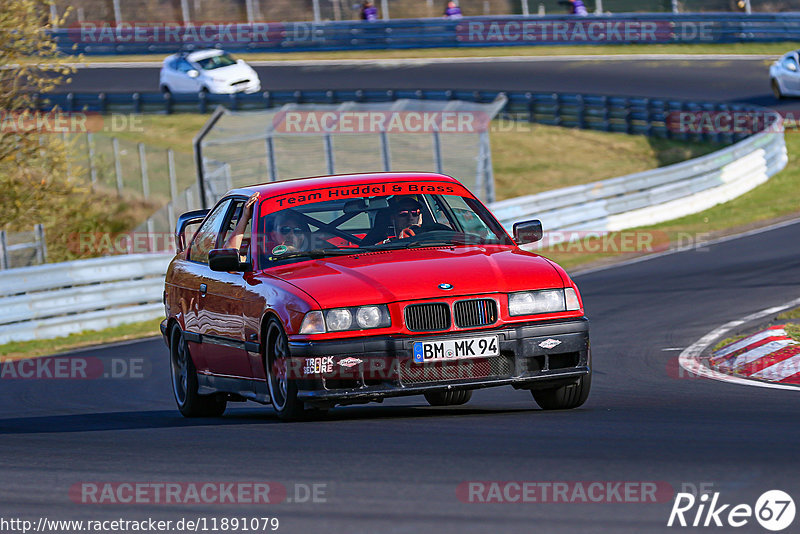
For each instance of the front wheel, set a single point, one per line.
(282, 386)
(776, 89)
(564, 397)
(184, 381)
(448, 398)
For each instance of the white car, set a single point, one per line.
(785, 75)
(208, 71)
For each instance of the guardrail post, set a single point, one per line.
(41, 244)
(628, 119)
(117, 164)
(386, 156)
(329, 153)
(437, 152)
(143, 168)
(92, 166)
(168, 103)
(3, 251)
(151, 230)
(557, 119)
(271, 163)
(103, 103)
(173, 187)
(267, 97)
(137, 102)
(70, 102)
(531, 107)
(581, 112)
(606, 114)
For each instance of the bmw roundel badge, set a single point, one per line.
(445, 286)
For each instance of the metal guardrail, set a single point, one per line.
(653, 196)
(59, 299)
(633, 115)
(638, 28)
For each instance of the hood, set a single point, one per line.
(231, 72)
(401, 275)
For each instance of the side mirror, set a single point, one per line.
(240, 61)
(194, 73)
(528, 231)
(792, 67)
(226, 260)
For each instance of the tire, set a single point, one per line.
(776, 89)
(448, 398)
(564, 397)
(282, 389)
(165, 89)
(184, 381)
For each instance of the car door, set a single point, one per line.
(183, 82)
(790, 73)
(220, 313)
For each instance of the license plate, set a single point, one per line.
(455, 349)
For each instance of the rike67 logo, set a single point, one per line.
(774, 510)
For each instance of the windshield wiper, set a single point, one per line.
(319, 253)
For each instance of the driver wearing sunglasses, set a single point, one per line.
(289, 230)
(406, 217)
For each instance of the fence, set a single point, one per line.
(21, 249)
(59, 299)
(511, 30)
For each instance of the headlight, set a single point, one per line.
(533, 302)
(340, 319)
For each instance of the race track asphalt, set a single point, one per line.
(712, 80)
(395, 467)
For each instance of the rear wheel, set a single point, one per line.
(776, 89)
(448, 398)
(165, 89)
(564, 397)
(282, 386)
(184, 381)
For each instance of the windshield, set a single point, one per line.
(215, 62)
(349, 226)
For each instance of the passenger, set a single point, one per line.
(235, 239)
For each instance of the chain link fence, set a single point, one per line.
(198, 11)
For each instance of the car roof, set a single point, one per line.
(203, 54)
(283, 187)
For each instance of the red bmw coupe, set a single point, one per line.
(337, 290)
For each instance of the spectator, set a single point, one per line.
(575, 7)
(452, 11)
(368, 11)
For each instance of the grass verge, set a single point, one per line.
(793, 331)
(43, 347)
(728, 341)
(790, 314)
(771, 49)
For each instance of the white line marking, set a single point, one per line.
(690, 358)
(746, 342)
(756, 354)
(672, 349)
(780, 370)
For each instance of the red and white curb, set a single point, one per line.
(769, 355)
(691, 360)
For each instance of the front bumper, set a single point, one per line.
(385, 365)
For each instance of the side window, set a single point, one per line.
(230, 226)
(205, 239)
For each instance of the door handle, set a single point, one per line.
(203, 289)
